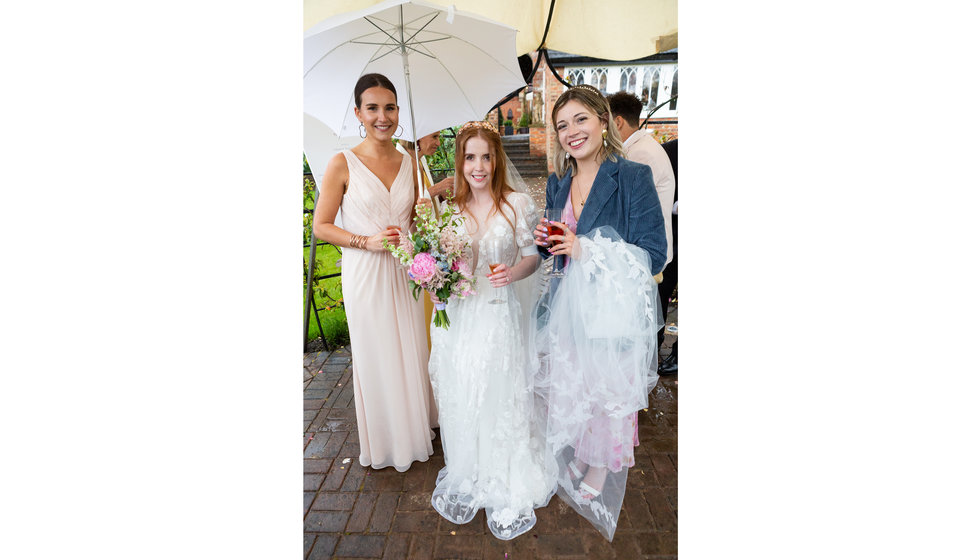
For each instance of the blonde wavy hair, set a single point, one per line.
(596, 104)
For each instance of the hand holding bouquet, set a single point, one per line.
(434, 258)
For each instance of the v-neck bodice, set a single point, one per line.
(517, 233)
(368, 206)
(406, 161)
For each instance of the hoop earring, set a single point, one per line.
(362, 131)
(399, 134)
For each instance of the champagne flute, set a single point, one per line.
(554, 215)
(495, 257)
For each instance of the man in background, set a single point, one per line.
(669, 364)
(428, 145)
(641, 147)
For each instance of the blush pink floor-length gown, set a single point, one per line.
(392, 393)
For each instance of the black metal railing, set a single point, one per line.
(311, 280)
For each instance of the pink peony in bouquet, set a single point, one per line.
(434, 258)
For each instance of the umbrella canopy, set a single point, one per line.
(448, 67)
(320, 144)
(614, 29)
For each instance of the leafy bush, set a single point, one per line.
(444, 160)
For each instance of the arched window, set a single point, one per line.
(653, 84)
(599, 79)
(575, 76)
(627, 79)
(673, 92)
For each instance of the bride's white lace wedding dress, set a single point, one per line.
(484, 390)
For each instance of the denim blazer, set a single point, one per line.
(623, 197)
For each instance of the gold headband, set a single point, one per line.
(480, 124)
(588, 88)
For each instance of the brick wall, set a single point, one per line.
(538, 141)
(513, 105)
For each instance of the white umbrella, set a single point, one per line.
(448, 67)
(320, 144)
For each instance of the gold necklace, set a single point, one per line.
(581, 199)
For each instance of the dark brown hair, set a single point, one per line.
(368, 81)
(626, 105)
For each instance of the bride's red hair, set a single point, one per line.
(499, 189)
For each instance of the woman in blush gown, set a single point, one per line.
(479, 366)
(372, 188)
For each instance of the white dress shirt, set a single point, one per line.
(642, 148)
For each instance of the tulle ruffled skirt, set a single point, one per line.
(596, 339)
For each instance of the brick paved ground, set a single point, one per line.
(356, 512)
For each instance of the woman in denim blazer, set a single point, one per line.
(596, 335)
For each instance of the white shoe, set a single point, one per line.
(588, 493)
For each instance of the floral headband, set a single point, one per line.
(480, 124)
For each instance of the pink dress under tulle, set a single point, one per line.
(596, 342)
(606, 440)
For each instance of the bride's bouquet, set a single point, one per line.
(434, 258)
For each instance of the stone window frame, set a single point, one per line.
(628, 74)
(575, 76)
(644, 74)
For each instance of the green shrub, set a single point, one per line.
(327, 292)
(445, 157)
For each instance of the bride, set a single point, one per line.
(479, 367)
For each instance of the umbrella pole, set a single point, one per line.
(411, 109)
